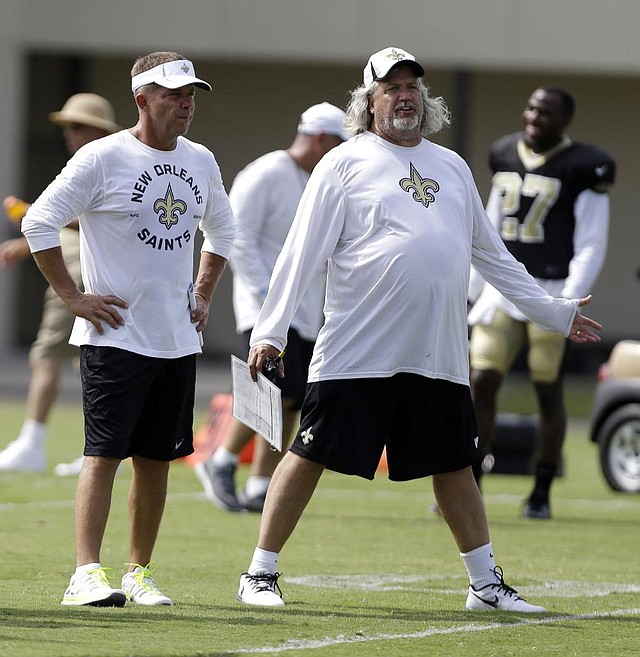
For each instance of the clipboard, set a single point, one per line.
(257, 404)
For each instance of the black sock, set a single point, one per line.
(545, 473)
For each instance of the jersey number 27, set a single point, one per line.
(544, 192)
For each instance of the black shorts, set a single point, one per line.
(296, 367)
(136, 404)
(427, 425)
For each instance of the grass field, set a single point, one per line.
(369, 571)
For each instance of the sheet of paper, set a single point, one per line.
(258, 405)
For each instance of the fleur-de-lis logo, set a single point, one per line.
(397, 55)
(185, 68)
(306, 436)
(424, 189)
(168, 208)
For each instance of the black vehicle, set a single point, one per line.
(615, 417)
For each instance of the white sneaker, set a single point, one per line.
(260, 589)
(498, 597)
(92, 587)
(141, 588)
(69, 469)
(21, 456)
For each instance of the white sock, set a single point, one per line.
(87, 566)
(222, 456)
(480, 566)
(256, 486)
(263, 562)
(34, 433)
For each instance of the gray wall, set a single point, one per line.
(268, 60)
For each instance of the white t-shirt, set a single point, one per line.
(264, 198)
(399, 228)
(139, 210)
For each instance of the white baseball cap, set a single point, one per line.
(323, 118)
(171, 75)
(383, 61)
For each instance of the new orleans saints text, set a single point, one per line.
(164, 243)
(143, 181)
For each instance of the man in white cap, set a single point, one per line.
(140, 195)
(83, 118)
(399, 221)
(264, 198)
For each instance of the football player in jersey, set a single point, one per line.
(549, 201)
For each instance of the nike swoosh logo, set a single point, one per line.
(180, 443)
(495, 603)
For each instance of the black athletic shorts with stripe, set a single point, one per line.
(136, 404)
(427, 425)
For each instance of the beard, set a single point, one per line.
(408, 123)
(399, 128)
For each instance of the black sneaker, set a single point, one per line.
(261, 589)
(498, 597)
(536, 510)
(219, 484)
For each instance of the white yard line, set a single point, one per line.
(295, 644)
(623, 502)
(59, 504)
(25, 506)
(428, 583)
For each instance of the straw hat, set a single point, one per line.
(86, 109)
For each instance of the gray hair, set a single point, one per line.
(435, 114)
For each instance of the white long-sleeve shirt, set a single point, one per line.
(398, 228)
(139, 209)
(264, 197)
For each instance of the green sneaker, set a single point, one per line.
(92, 587)
(141, 588)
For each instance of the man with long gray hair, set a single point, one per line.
(398, 220)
